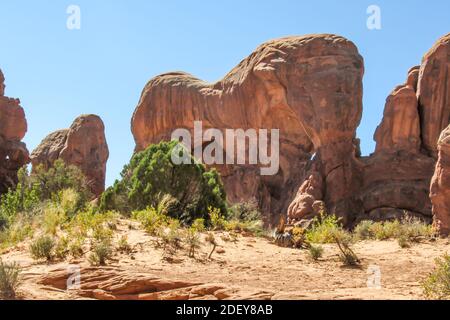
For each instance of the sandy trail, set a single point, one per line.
(252, 267)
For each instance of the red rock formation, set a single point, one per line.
(309, 87)
(396, 178)
(400, 128)
(440, 185)
(83, 145)
(112, 283)
(434, 93)
(13, 126)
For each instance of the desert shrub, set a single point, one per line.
(171, 240)
(53, 217)
(101, 252)
(415, 229)
(123, 245)
(42, 248)
(60, 177)
(23, 198)
(298, 237)
(90, 222)
(315, 252)
(151, 173)
(324, 229)
(344, 241)
(245, 211)
(9, 279)
(437, 285)
(244, 216)
(62, 248)
(198, 225)
(406, 230)
(192, 240)
(49, 195)
(151, 220)
(76, 247)
(403, 242)
(19, 230)
(211, 239)
(216, 218)
(71, 201)
(364, 230)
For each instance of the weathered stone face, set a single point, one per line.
(440, 185)
(2, 84)
(13, 127)
(308, 87)
(83, 145)
(433, 92)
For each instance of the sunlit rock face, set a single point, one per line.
(440, 185)
(397, 176)
(83, 145)
(13, 127)
(309, 87)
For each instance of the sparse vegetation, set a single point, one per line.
(123, 245)
(315, 252)
(101, 252)
(9, 279)
(210, 238)
(437, 285)
(406, 230)
(42, 248)
(347, 256)
(324, 229)
(244, 217)
(193, 241)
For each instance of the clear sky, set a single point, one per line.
(102, 68)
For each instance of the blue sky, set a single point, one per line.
(102, 68)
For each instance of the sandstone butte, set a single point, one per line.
(83, 145)
(310, 87)
(13, 127)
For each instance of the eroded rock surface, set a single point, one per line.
(13, 127)
(433, 92)
(110, 283)
(440, 185)
(309, 87)
(83, 145)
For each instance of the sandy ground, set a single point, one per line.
(250, 264)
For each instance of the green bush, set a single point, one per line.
(52, 195)
(324, 229)
(59, 177)
(315, 252)
(151, 173)
(216, 218)
(437, 285)
(9, 279)
(151, 220)
(42, 248)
